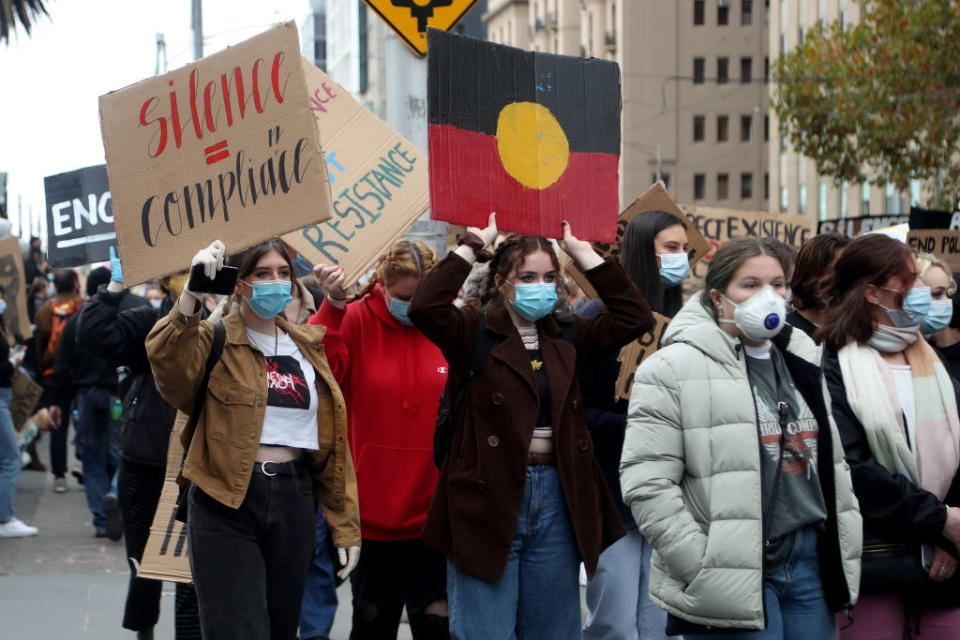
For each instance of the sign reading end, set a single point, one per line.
(409, 19)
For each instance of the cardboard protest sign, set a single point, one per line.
(943, 243)
(655, 198)
(532, 136)
(854, 227)
(379, 181)
(632, 355)
(920, 218)
(722, 225)
(16, 322)
(225, 148)
(26, 394)
(165, 556)
(79, 217)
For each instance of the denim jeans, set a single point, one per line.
(618, 597)
(9, 457)
(320, 594)
(250, 564)
(99, 449)
(796, 608)
(539, 594)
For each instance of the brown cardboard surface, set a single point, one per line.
(26, 393)
(632, 355)
(853, 227)
(943, 243)
(379, 180)
(15, 320)
(655, 198)
(187, 166)
(721, 225)
(165, 556)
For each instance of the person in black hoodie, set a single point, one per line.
(110, 328)
(654, 255)
(812, 279)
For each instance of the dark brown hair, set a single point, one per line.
(872, 259)
(812, 273)
(511, 253)
(729, 258)
(246, 261)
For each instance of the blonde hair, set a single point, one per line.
(404, 258)
(926, 261)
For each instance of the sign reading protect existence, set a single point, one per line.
(409, 19)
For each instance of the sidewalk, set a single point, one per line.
(65, 583)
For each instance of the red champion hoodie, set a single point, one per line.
(392, 378)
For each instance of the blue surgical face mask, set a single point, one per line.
(940, 315)
(916, 305)
(270, 297)
(156, 303)
(674, 268)
(398, 309)
(3, 306)
(535, 300)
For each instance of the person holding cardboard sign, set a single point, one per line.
(270, 440)
(896, 408)
(520, 499)
(733, 468)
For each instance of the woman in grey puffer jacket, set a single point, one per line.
(733, 468)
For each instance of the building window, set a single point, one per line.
(723, 122)
(822, 199)
(723, 12)
(746, 13)
(746, 69)
(746, 128)
(803, 199)
(766, 128)
(663, 176)
(865, 199)
(766, 68)
(843, 199)
(362, 50)
(893, 200)
(766, 12)
(699, 186)
(723, 186)
(723, 70)
(915, 193)
(698, 10)
(699, 128)
(766, 185)
(698, 70)
(784, 198)
(783, 142)
(746, 186)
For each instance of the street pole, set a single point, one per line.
(196, 23)
(406, 90)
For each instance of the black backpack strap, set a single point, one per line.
(481, 345)
(216, 350)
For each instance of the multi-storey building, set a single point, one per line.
(797, 186)
(694, 75)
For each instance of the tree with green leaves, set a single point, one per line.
(18, 12)
(879, 100)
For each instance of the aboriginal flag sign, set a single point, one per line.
(532, 136)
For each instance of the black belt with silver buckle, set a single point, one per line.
(270, 468)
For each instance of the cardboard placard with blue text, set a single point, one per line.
(225, 148)
(378, 178)
(79, 217)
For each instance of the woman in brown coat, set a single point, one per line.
(521, 500)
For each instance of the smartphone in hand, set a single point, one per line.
(223, 284)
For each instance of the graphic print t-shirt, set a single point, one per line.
(291, 416)
(799, 501)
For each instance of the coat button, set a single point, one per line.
(253, 435)
(260, 403)
(228, 397)
(497, 398)
(481, 485)
(493, 441)
(584, 444)
(574, 404)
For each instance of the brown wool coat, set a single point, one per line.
(477, 502)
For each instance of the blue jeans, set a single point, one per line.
(99, 449)
(796, 608)
(618, 597)
(320, 594)
(9, 457)
(539, 594)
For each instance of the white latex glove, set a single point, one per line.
(212, 260)
(349, 557)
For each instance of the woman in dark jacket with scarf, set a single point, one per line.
(521, 499)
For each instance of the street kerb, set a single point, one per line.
(165, 556)
(379, 180)
(225, 148)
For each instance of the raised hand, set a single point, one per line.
(580, 250)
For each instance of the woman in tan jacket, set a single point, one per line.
(270, 440)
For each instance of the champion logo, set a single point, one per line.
(441, 369)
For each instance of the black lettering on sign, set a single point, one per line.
(168, 534)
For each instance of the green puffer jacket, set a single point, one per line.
(690, 472)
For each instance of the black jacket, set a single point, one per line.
(894, 509)
(794, 319)
(112, 330)
(76, 366)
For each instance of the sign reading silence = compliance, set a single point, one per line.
(79, 217)
(532, 136)
(409, 19)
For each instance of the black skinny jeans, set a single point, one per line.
(250, 564)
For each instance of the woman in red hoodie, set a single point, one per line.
(392, 378)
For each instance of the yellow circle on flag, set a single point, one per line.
(532, 145)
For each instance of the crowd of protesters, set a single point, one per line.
(448, 436)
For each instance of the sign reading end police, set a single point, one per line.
(79, 217)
